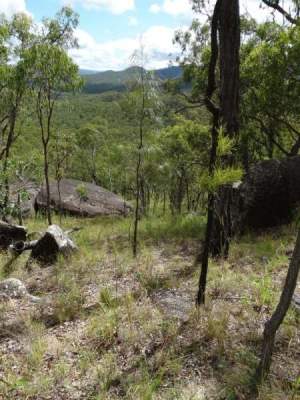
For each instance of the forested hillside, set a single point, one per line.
(149, 219)
(99, 82)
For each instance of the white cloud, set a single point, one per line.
(10, 7)
(115, 54)
(155, 8)
(183, 8)
(173, 7)
(132, 21)
(177, 7)
(114, 6)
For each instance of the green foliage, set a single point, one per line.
(221, 176)
(82, 192)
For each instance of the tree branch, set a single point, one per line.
(275, 5)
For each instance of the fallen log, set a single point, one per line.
(46, 249)
(19, 247)
(10, 233)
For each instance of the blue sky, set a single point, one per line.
(110, 30)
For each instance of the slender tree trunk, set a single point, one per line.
(274, 323)
(9, 143)
(139, 177)
(46, 174)
(204, 253)
(137, 206)
(59, 200)
(214, 110)
(20, 215)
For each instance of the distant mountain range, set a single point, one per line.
(100, 82)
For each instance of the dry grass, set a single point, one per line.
(113, 327)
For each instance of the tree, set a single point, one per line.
(270, 95)
(225, 45)
(60, 154)
(53, 74)
(15, 39)
(277, 318)
(142, 101)
(183, 159)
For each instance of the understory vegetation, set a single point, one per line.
(185, 284)
(113, 326)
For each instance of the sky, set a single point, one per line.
(110, 30)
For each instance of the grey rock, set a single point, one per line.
(15, 289)
(82, 199)
(296, 303)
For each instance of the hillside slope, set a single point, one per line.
(116, 80)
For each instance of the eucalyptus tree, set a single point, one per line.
(15, 39)
(271, 89)
(221, 67)
(183, 160)
(53, 74)
(61, 152)
(273, 324)
(142, 107)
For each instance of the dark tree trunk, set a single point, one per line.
(229, 38)
(274, 323)
(137, 207)
(225, 46)
(9, 142)
(46, 174)
(214, 110)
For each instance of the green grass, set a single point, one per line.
(128, 345)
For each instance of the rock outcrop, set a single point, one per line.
(82, 199)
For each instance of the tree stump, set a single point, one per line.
(51, 244)
(10, 234)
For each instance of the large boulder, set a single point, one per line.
(268, 195)
(82, 199)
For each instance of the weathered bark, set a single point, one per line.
(19, 247)
(274, 323)
(225, 46)
(46, 249)
(52, 243)
(229, 48)
(229, 37)
(10, 234)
